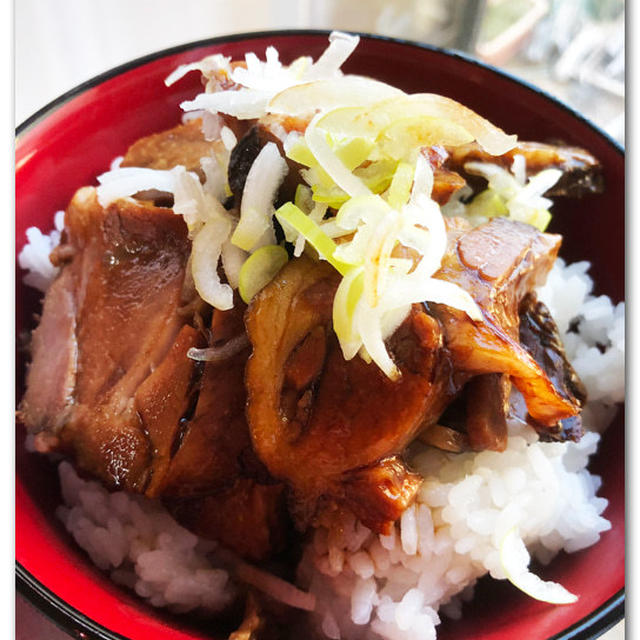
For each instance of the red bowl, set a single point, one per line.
(69, 142)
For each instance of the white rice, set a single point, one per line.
(393, 587)
(142, 547)
(396, 586)
(567, 293)
(34, 257)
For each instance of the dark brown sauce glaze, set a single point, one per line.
(540, 336)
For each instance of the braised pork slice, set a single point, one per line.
(125, 400)
(184, 145)
(380, 493)
(539, 334)
(214, 484)
(477, 419)
(318, 421)
(486, 400)
(445, 438)
(249, 518)
(581, 172)
(212, 438)
(498, 263)
(117, 304)
(162, 402)
(445, 181)
(51, 377)
(334, 429)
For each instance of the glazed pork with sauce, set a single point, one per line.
(111, 385)
(258, 319)
(298, 429)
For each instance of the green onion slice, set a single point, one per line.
(259, 269)
(312, 233)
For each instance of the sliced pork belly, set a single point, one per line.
(329, 427)
(445, 438)
(498, 263)
(206, 455)
(215, 485)
(477, 419)
(125, 401)
(379, 494)
(445, 181)
(162, 401)
(318, 421)
(248, 517)
(51, 377)
(183, 145)
(486, 400)
(117, 302)
(581, 172)
(539, 334)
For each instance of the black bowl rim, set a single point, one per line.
(69, 618)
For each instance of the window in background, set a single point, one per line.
(572, 48)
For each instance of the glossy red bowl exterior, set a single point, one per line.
(75, 138)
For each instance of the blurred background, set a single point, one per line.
(573, 49)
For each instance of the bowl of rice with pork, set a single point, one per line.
(319, 336)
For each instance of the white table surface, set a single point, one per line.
(58, 45)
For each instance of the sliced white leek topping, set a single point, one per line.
(400, 188)
(507, 195)
(362, 153)
(192, 202)
(228, 138)
(316, 140)
(415, 120)
(370, 329)
(289, 214)
(259, 269)
(232, 260)
(244, 104)
(205, 255)
(256, 209)
(208, 66)
(346, 299)
(260, 81)
(268, 76)
(514, 559)
(491, 138)
(378, 288)
(330, 93)
(341, 46)
(216, 177)
(127, 181)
